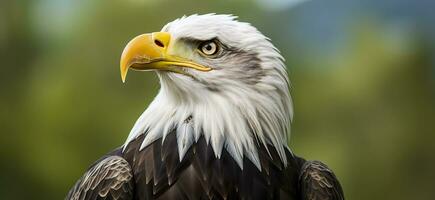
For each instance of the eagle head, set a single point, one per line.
(221, 79)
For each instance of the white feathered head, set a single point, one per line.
(221, 79)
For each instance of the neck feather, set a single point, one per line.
(235, 119)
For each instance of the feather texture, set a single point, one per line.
(202, 175)
(156, 172)
(245, 96)
(110, 178)
(318, 182)
(220, 134)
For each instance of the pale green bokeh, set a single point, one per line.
(363, 91)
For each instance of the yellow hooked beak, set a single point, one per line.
(149, 51)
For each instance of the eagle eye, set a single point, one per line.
(208, 48)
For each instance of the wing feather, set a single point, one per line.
(318, 182)
(111, 178)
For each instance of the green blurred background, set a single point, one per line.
(363, 83)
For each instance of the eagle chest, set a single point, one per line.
(158, 173)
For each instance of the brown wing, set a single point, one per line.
(111, 178)
(318, 182)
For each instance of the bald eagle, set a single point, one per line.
(217, 129)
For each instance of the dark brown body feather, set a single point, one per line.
(156, 173)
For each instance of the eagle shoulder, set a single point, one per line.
(110, 178)
(318, 182)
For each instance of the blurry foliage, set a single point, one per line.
(365, 107)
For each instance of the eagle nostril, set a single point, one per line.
(159, 43)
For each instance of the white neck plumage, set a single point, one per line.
(233, 117)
